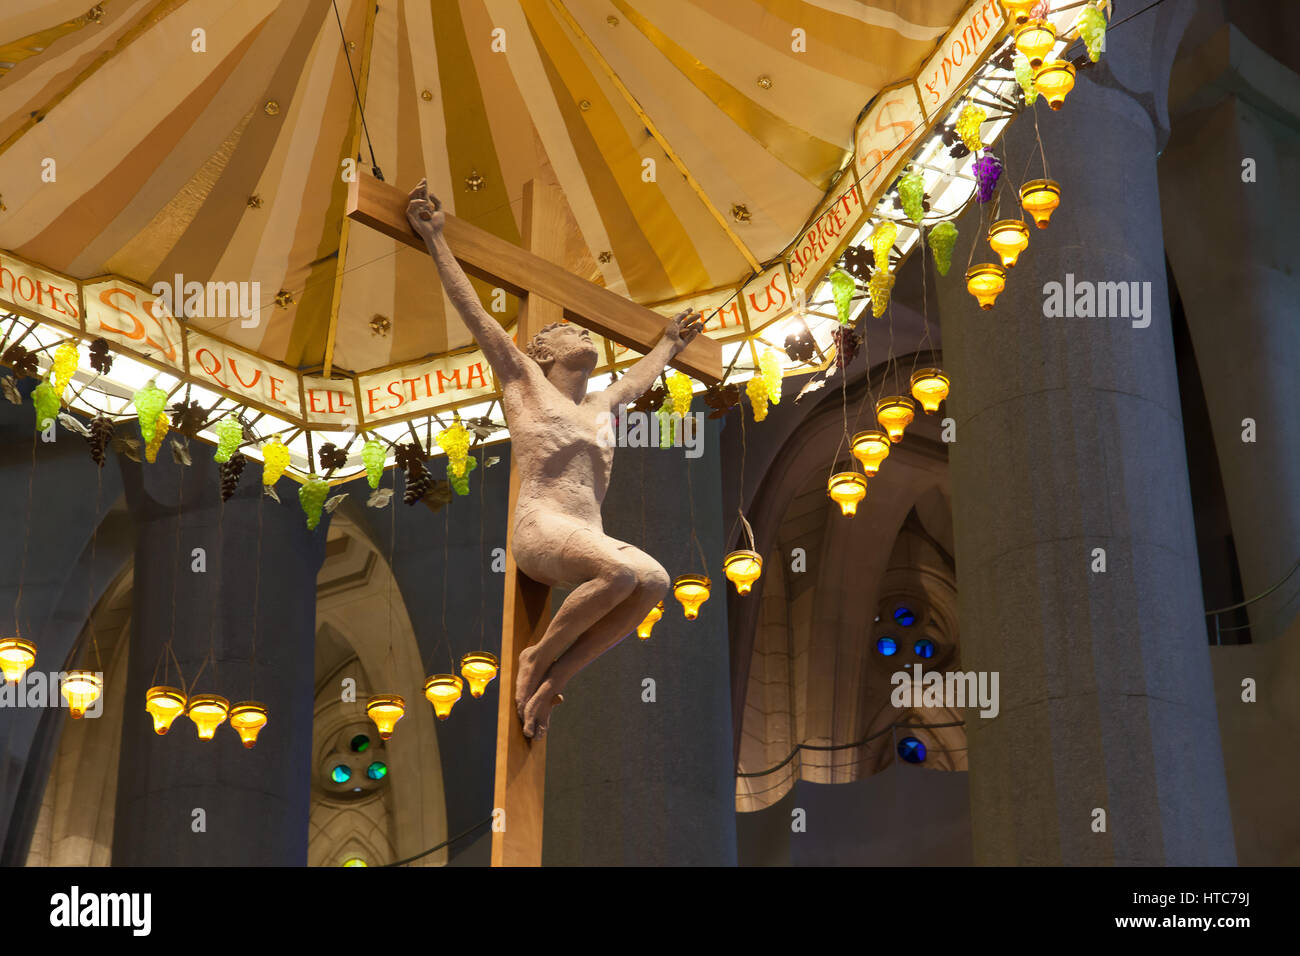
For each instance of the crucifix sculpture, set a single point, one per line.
(559, 470)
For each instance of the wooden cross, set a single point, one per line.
(548, 293)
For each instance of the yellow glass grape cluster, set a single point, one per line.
(756, 389)
(679, 387)
(769, 370)
(149, 402)
(969, 121)
(66, 358)
(275, 459)
(162, 425)
(880, 287)
(455, 442)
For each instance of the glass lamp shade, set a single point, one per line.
(443, 690)
(930, 387)
(986, 282)
(81, 689)
(208, 711)
(1008, 238)
(1055, 80)
(1035, 38)
(1040, 197)
(16, 656)
(846, 489)
(164, 705)
(645, 627)
(895, 413)
(386, 710)
(1019, 9)
(692, 590)
(742, 569)
(248, 719)
(479, 669)
(871, 448)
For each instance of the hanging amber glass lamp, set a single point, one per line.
(986, 282)
(208, 711)
(1040, 197)
(742, 569)
(1055, 80)
(16, 656)
(81, 689)
(895, 413)
(871, 448)
(1019, 9)
(443, 690)
(692, 590)
(930, 387)
(164, 705)
(248, 719)
(846, 489)
(479, 668)
(1009, 238)
(1035, 39)
(645, 627)
(386, 710)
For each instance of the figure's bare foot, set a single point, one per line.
(537, 713)
(529, 676)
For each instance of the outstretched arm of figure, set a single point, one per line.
(425, 214)
(677, 334)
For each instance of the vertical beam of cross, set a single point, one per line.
(520, 788)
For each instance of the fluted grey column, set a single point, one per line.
(255, 802)
(630, 782)
(1069, 439)
(1228, 180)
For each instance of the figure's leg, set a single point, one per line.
(608, 574)
(652, 583)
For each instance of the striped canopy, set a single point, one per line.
(692, 140)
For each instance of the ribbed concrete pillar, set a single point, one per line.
(1069, 439)
(1227, 178)
(255, 802)
(629, 782)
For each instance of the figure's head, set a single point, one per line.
(563, 344)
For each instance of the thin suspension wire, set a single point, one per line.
(27, 526)
(356, 93)
(257, 593)
(90, 572)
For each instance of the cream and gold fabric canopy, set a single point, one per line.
(207, 139)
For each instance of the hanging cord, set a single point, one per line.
(356, 93)
(390, 663)
(482, 550)
(257, 593)
(690, 494)
(740, 504)
(446, 538)
(27, 526)
(90, 573)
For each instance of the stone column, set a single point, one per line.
(1228, 179)
(649, 784)
(255, 802)
(1069, 439)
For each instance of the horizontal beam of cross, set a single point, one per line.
(382, 207)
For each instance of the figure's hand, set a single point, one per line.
(424, 212)
(682, 328)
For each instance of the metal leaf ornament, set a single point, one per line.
(942, 238)
(22, 361)
(331, 456)
(911, 191)
(969, 121)
(188, 418)
(800, 347)
(721, 398)
(842, 288)
(1092, 27)
(987, 169)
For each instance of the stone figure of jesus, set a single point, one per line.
(563, 467)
